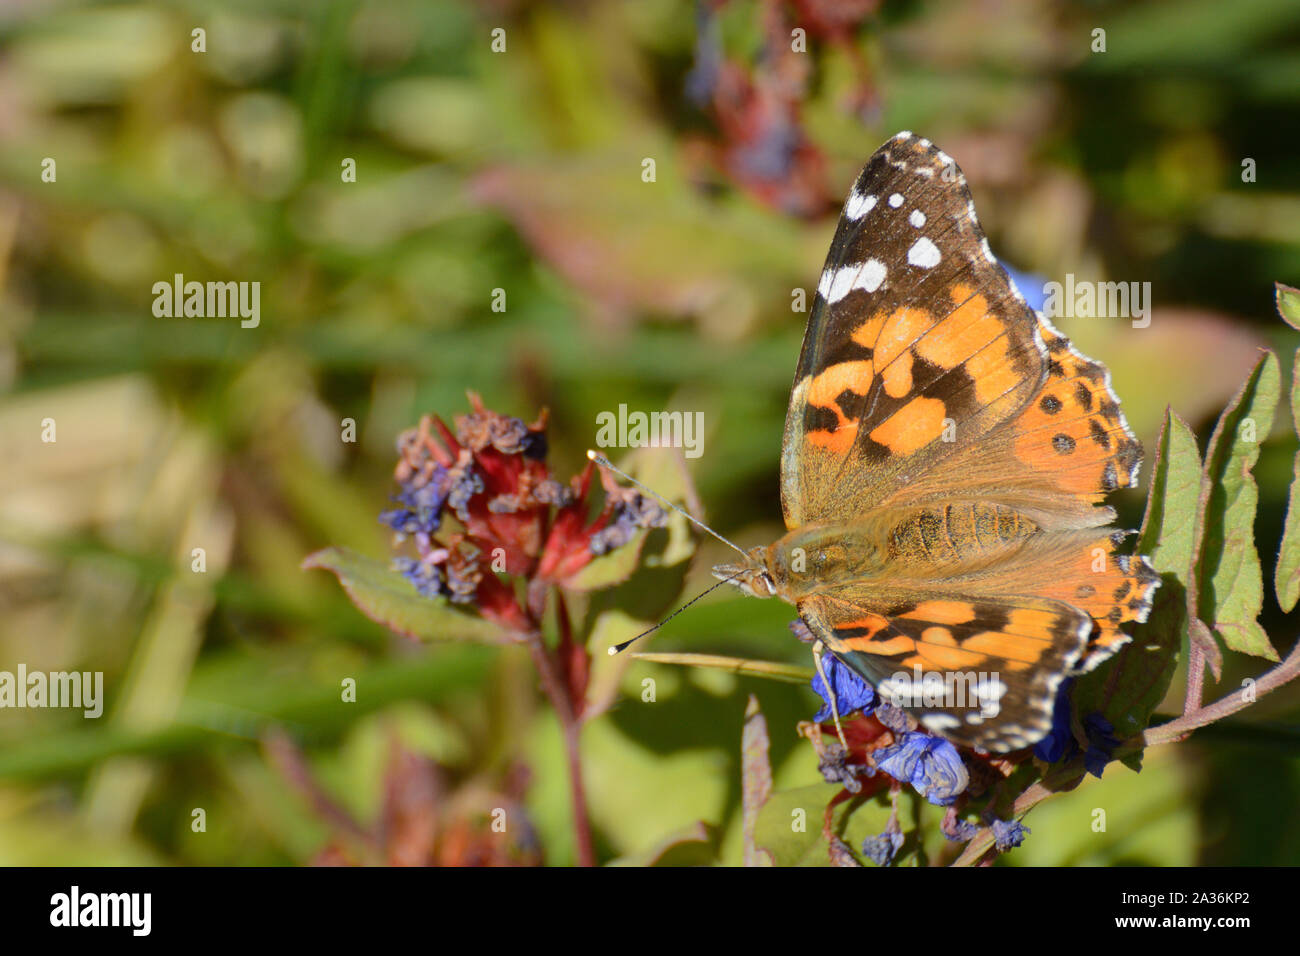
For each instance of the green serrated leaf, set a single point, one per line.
(1286, 578)
(1288, 304)
(384, 596)
(1229, 582)
(1169, 528)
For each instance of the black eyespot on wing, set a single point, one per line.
(1063, 444)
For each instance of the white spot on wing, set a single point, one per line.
(868, 276)
(992, 689)
(924, 254)
(842, 284)
(824, 286)
(873, 275)
(917, 218)
(896, 200)
(858, 206)
(940, 722)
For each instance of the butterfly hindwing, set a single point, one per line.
(982, 670)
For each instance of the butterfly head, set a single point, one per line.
(751, 575)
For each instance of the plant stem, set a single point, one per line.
(1229, 704)
(571, 727)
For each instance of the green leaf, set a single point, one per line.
(1129, 688)
(1288, 304)
(1229, 582)
(383, 595)
(789, 826)
(666, 474)
(623, 610)
(1169, 528)
(1286, 579)
(695, 845)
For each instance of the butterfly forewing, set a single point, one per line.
(917, 345)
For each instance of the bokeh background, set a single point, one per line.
(522, 170)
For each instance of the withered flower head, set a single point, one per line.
(483, 512)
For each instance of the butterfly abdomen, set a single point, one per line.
(957, 533)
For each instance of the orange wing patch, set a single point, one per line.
(824, 391)
(1113, 589)
(974, 336)
(1073, 429)
(912, 427)
(886, 337)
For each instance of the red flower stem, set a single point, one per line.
(571, 725)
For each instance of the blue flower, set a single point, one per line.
(1101, 743)
(1060, 743)
(427, 578)
(1009, 833)
(1030, 286)
(422, 505)
(880, 849)
(464, 485)
(932, 765)
(851, 691)
(631, 514)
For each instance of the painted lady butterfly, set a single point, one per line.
(945, 458)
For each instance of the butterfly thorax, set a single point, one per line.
(811, 559)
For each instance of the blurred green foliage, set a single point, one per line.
(521, 171)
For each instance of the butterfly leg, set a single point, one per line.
(818, 647)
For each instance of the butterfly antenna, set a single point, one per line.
(604, 462)
(619, 648)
